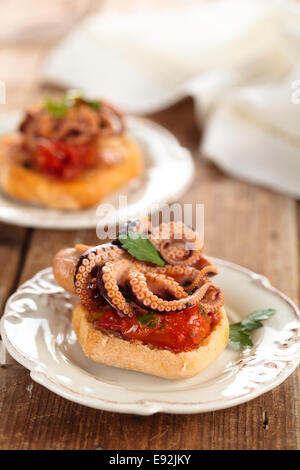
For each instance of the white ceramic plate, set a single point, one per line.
(36, 330)
(168, 172)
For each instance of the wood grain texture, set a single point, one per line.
(12, 250)
(259, 230)
(244, 223)
(34, 418)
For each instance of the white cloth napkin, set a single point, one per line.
(236, 58)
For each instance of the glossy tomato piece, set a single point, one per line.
(181, 331)
(64, 161)
(109, 319)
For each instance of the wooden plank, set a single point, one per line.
(12, 246)
(244, 223)
(35, 418)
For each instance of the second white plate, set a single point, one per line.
(168, 172)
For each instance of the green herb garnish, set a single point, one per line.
(204, 314)
(93, 104)
(140, 247)
(240, 332)
(59, 108)
(150, 320)
(162, 326)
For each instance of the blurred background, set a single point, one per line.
(238, 60)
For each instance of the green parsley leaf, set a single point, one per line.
(240, 332)
(140, 247)
(253, 321)
(57, 109)
(93, 104)
(204, 314)
(149, 319)
(73, 96)
(238, 336)
(163, 325)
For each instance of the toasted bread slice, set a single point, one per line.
(89, 189)
(117, 352)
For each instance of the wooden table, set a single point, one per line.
(243, 223)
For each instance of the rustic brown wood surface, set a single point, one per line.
(243, 223)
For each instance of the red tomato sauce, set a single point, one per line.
(177, 332)
(64, 161)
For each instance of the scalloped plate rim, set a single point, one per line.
(149, 406)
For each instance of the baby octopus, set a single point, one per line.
(133, 287)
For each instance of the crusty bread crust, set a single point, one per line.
(116, 352)
(93, 185)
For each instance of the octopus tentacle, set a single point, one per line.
(146, 298)
(202, 262)
(208, 270)
(108, 272)
(150, 301)
(213, 300)
(177, 243)
(188, 276)
(86, 270)
(183, 275)
(109, 278)
(165, 285)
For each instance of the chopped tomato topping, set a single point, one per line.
(64, 161)
(182, 331)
